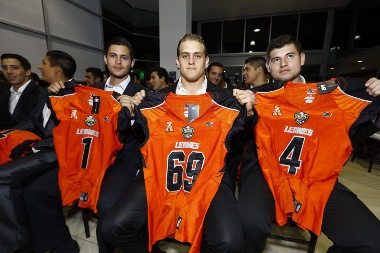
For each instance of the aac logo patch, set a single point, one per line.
(277, 111)
(301, 117)
(188, 132)
(90, 121)
(169, 127)
(74, 114)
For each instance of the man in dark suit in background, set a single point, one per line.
(18, 97)
(93, 75)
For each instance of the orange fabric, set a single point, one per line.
(301, 162)
(182, 175)
(84, 150)
(11, 138)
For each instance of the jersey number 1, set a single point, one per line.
(87, 141)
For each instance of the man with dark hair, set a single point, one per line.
(57, 65)
(35, 78)
(158, 78)
(135, 77)
(215, 72)
(19, 97)
(255, 72)
(105, 76)
(339, 214)
(42, 196)
(118, 56)
(93, 76)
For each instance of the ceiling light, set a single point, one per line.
(360, 61)
(357, 37)
(332, 68)
(362, 68)
(256, 30)
(253, 43)
(250, 51)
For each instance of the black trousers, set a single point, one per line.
(347, 222)
(15, 232)
(44, 203)
(126, 224)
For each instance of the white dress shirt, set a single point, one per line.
(119, 88)
(15, 96)
(182, 91)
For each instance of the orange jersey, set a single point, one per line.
(302, 143)
(188, 139)
(11, 138)
(86, 142)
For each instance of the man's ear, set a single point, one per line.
(28, 72)
(105, 59)
(177, 63)
(132, 63)
(268, 66)
(57, 69)
(303, 57)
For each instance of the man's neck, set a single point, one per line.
(116, 80)
(298, 79)
(259, 81)
(192, 87)
(18, 86)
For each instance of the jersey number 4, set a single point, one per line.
(290, 157)
(177, 167)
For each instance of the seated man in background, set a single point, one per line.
(19, 97)
(255, 72)
(93, 76)
(158, 78)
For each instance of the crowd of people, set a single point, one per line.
(178, 149)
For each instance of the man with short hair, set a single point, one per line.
(19, 97)
(255, 72)
(119, 58)
(135, 77)
(42, 196)
(126, 226)
(158, 78)
(93, 75)
(346, 221)
(215, 72)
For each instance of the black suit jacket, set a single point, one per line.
(26, 104)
